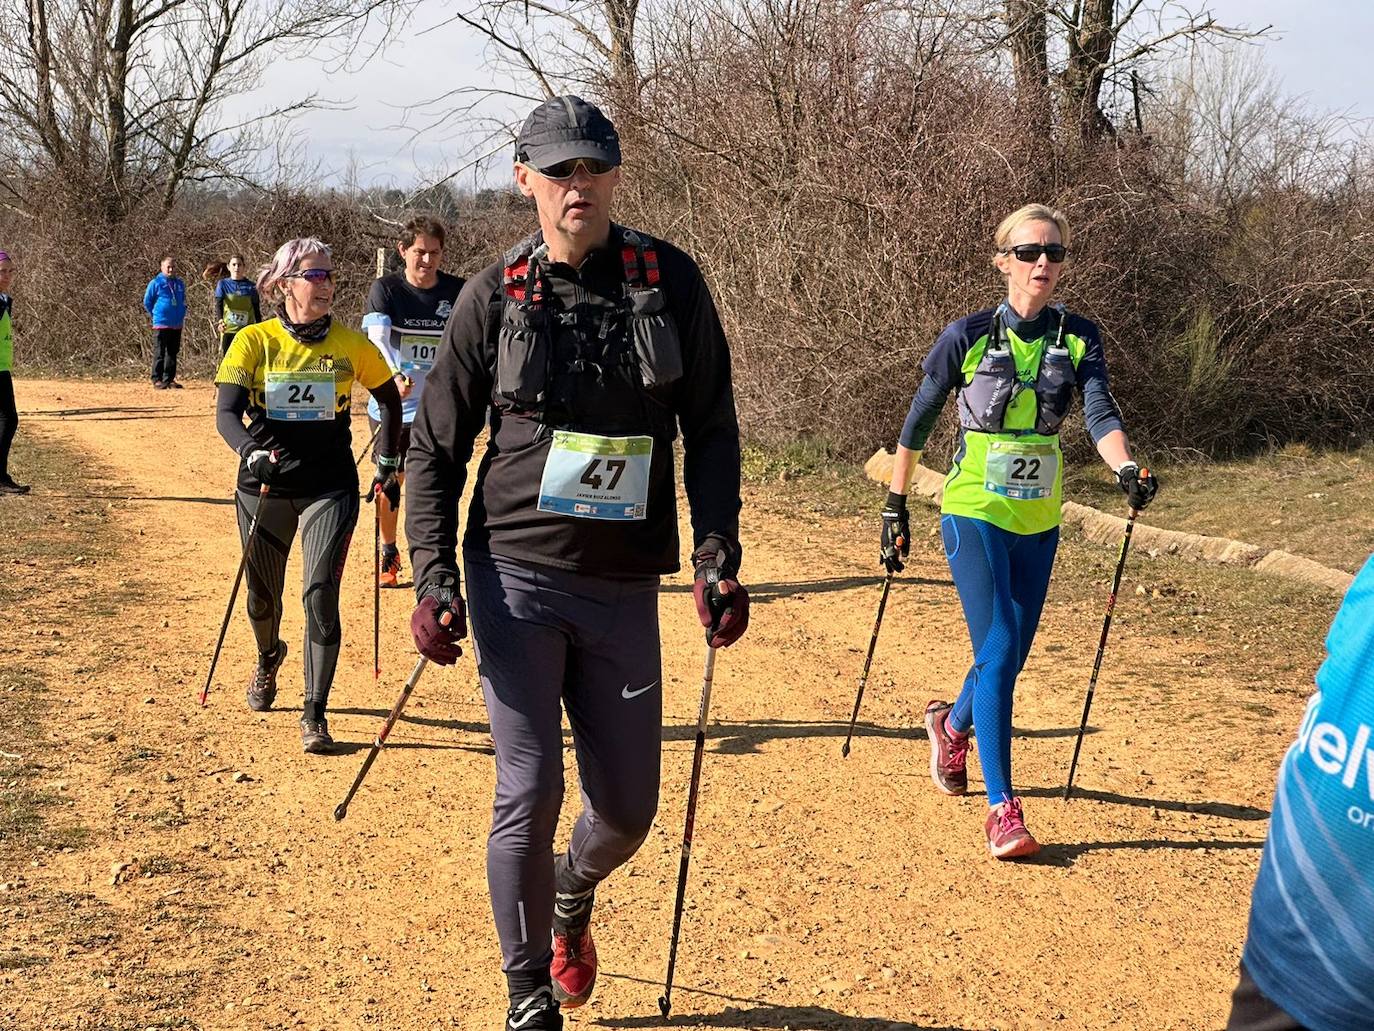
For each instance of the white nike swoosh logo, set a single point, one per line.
(627, 694)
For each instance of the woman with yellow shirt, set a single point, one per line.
(292, 377)
(1014, 370)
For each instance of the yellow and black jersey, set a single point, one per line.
(299, 396)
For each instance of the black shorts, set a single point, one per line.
(1252, 1010)
(405, 438)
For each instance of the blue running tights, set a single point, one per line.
(1001, 578)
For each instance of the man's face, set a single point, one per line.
(169, 267)
(578, 207)
(423, 258)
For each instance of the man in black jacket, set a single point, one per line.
(593, 345)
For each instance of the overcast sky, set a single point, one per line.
(1319, 50)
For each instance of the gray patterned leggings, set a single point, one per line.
(326, 526)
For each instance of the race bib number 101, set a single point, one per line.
(300, 396)
(592, 477)
(418, 353)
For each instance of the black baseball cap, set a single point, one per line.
(563, 128)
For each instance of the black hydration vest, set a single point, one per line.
(546, 356)
(983, 403)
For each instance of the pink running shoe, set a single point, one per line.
(1007, 834)
(948, 752)
(573, 969)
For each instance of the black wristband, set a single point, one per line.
(895, 502)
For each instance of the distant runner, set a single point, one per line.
(406, 313)
(1014, 369)
(165, 302)
(593, 344)
(1309, 954)
(236, 302)
(9, 412)
(293, 377)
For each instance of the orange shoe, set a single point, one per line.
(390, 573)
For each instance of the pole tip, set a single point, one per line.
(844, 750)
(340, 811)
(664, 1006)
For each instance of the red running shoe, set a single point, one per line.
(948, 752)
(573, 969)
(1007, 834)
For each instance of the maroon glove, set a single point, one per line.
(438, 623)
(722, 602)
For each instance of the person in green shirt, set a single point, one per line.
(1014, 370)
(236, 302)
(9, 414)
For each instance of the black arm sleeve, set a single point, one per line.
(232, 402)
(389, 401)
(219, 306)
(926, 407)
(257, 307)
(705, 404)
(452, 409)
(1100, 412)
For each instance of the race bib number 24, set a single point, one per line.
(300, 396)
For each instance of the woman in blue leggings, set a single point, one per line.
(1013, 369)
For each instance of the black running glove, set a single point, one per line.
(438, 623)
(267, 467)
(896, 539)
(721, 600)
(1139, 485)
(387, 480)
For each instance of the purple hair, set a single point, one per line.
(5, 256)
(287, 260)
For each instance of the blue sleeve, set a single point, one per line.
(926, 407)
(149, 295)
(944, 372)
(1100, 412)
(219, 289)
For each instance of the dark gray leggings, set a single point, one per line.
(326, 524)
(542, 635)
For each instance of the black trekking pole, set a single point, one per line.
(377, 587)
(341, 810)
(233, 595)
(665, 1001)
(366, 447)
(863, 679)
(1102, 643)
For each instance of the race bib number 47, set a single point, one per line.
(300, 396)
(1022, 472)
(592, 477)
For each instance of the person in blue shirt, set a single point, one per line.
(236, 302)
(165, 302)
(1308, 961)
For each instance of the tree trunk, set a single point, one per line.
(116, 112)
(1030, 62)
(1090, 50)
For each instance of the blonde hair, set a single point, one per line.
(287, 260)
(1030, 213)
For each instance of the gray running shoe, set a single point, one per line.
(315, 737)
(262, 689)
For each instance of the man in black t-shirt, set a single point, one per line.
(405, 317)
(592, 344)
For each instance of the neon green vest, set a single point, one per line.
(1012, 479)
(6, 342)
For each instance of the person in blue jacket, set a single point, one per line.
(165, 302)
(1309, 954)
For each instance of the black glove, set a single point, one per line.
(1139, 485)
(387, 480)
(896, 538)
(269, 466)
(438, 623)
(722, 602)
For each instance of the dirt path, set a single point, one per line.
(824, 893)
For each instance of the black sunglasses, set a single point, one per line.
(567, 169)
(313, 275)
(1030, 252)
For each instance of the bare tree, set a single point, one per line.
(123, 99)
